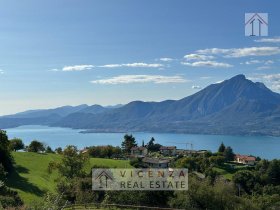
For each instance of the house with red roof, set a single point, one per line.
(245, 159)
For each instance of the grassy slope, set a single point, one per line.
(228, 171)
(32, 179)
(226, 174)
(99, 162)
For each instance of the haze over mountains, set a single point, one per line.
(236, 106)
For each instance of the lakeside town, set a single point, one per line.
(163, 156)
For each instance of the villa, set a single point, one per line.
(244, 159)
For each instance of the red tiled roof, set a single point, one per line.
(245, 157)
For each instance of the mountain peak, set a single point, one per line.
(238, 77)
(237, 81)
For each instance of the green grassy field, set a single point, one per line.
(110, 163)
(226, 174)
(227, 171)
(32, 180)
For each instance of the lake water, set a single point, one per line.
(263, 146)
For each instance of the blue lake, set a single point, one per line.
(263, 146)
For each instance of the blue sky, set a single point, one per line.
(69, 52)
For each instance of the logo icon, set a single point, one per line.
(256, 24)
(103, 178)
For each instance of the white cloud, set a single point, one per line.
(272, 80)
(265, 62)
(111, 66)
(253, 62)
(198, 57)
(88, 67)
(128, 79)
(196, 87)
(1, 71)
(269, 40)
(212, 64)
(166, 59)
(275, 86)
(242, 52)
(272, 77)
(263, 67)
(253, 51)
(77, 68)
(142, 65)
(213, 51)
(268, 62)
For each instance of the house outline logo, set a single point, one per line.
(100, 177)
(256, 24)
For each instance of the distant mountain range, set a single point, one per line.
(236, 106)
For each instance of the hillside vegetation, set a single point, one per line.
(31, 178)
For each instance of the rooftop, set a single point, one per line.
(245, 157)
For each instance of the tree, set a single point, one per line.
(104, 151)
(187, 162)
(217, 160)
(72, 163)
(245, 179)
(3, 173)
(152, 147)
(203, 194)
(151, 144)
(273, 172)
(49, 150)
(16, 144)
(71, 171)
(128, 143)
(117, 152)
(228, 154)
(222, 148)
(36, 146)
(9, 198)
(5, 154)
(58, 150)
